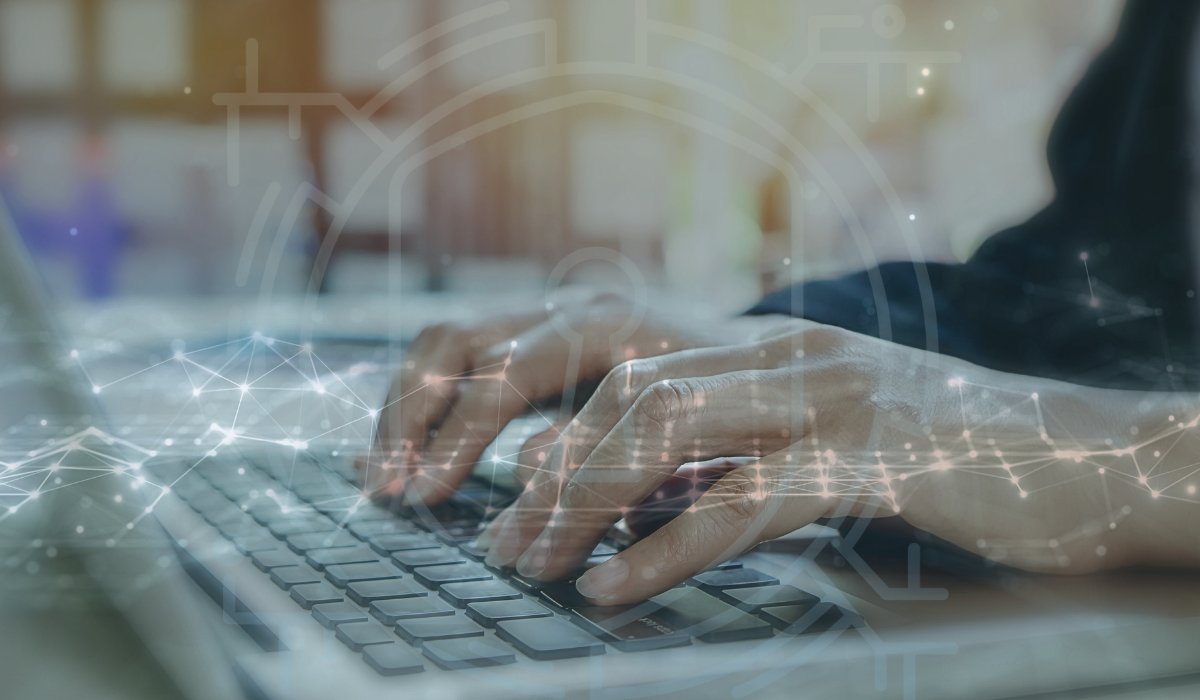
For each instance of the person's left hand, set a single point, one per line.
(844, 424)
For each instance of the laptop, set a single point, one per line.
(237, 455)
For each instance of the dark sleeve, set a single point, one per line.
(907, 303)
(1026, 302)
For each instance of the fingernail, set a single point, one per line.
(604, 580)
(534, 561)
(505, 549)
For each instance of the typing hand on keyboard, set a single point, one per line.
(842, 424)
(460, 385)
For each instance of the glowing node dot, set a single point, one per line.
(195, 392)
(79, 529)
(95, 389)
(1191, 489)
(949, 25)
(1101, 470)
(1023, 494)
(920, 91)
(925, 72)
(1101, 551)
(913, 217)
(1154, 494)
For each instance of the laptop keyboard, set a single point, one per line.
(411, 593)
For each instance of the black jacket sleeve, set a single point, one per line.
(1119, 153)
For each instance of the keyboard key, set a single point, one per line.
(321, 558)
(340, 509)
(706, 618)
(341, 575)
(321, 540)
(287, 576)
(370, 513)
(310, 594)
(372, 528)
(392, 659)
(286, 527)
(603, 550)
(456, 532)
(274, 558)
(266, 510)
(468, 548)
(410, 560)
(806, 619)
(227, 516)
(367, 592)
(469, 652)
(435, 576)
(488, 614)
(549, 638)
(630, 627)
(393, 610)
(418, 631)
(461, 594)
(357, 635)
(751, 599)
(731, 564)
(564, 595)
(386, 544)
(331, 615)
(251, 543)
(714, 581)
(527, 584)
(243, 526)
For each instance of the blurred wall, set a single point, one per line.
(725, 146)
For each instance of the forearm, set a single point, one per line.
(1081, 479)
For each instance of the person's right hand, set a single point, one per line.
(459, 385)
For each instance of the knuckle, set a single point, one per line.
(825, 338)
(738, 497)
(628, 380)
(663, 405)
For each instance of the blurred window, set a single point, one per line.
(620, 178)
(39, 42)
(349, 157)
(360, 32)
(144, 44)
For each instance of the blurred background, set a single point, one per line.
(250, 148)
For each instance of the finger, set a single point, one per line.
(676, 494)
(613, 400)
(537, 365)
(423, 390)
(533, 454)
(675, 421)
(486, 538)
(749, 505)
(427, 383)
(379, 477)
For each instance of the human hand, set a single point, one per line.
(461, 384)
(843, 424)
